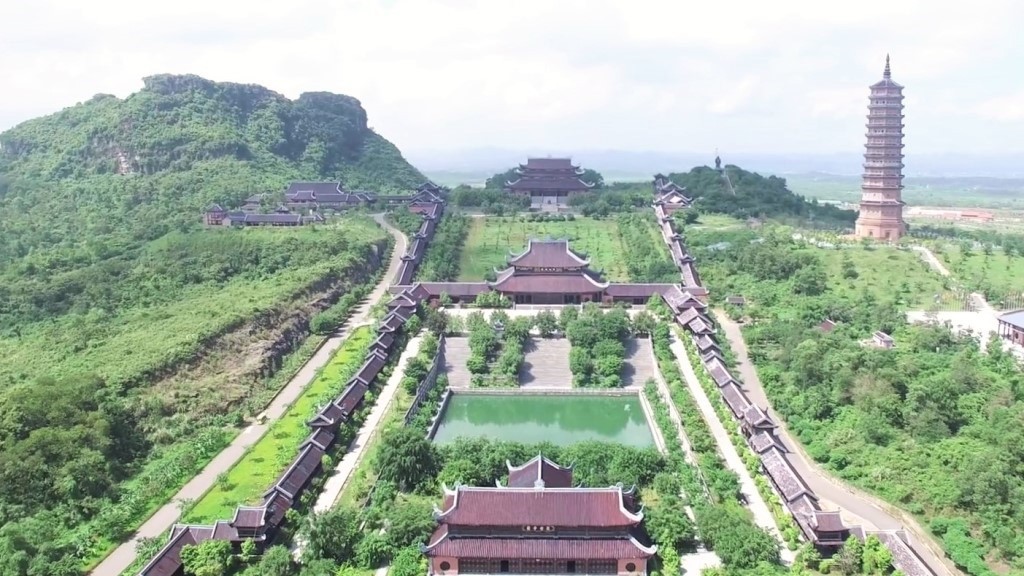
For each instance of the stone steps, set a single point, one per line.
(456, 352)
(639, 365)
(546, 364)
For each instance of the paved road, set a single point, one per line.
(872, 510)
(159, 524)
(755, 503)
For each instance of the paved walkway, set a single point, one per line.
(932, 261)
(159, 524)
(870, 509)
(755, 503)
(343, 471)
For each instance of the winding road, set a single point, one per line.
(874, 513)
(159, 524)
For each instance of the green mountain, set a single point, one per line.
(133, 339)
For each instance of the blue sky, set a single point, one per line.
(785, 76)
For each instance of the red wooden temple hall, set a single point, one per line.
(538, 524)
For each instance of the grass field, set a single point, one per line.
(995, 274)
(491, 239)
(883, 271)
(265, 460)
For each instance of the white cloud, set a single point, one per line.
(643, 74)
(1009, 108)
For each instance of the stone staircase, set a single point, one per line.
(456, 352)
(546, 364)
(639, 365)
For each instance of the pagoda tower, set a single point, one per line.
(881, 203)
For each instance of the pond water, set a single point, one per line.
(560, 420)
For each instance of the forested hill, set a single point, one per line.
(755, 196)
(151, 162)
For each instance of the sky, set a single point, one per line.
(782, 76)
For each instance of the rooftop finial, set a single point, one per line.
(887, 74)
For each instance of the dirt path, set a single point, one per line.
(160, 522)
(879, 514)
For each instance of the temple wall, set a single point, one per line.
(453, 566)
(639, 567)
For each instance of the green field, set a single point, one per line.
(266, 459)
(973, 192)
(883, 271)
(492, 238)
(998, 276)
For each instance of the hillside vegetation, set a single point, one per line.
(933, 425)
(132, 340)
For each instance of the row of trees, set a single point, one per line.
(598, 343)
(646, 257)
(441, 262)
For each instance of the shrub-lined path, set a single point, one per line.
(160, 522)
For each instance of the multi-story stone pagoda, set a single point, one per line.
(881, 204)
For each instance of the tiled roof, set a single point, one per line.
(637, 290)
(455, 289)
(167, 562)
(547, 254)
(764, 441)
(549, 164)
(249, 517)
(539, 472)
(686, 316)
(790, 484)
(565, 507)
(719, 373)
(706, 342)
(680, 298)
(828, 521)
(673, 194)
(549, 284)
(701, 325)
(272, 218)
(755, 417)
(322, 438)
(351, 397)
(316, 188)
(735, 399)
(904, 558)
(541, 548)
(295, 478)
(553, 182)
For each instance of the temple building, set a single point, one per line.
(548, 182)
(548, 272)
(538, 524)
(881, 205)
(1011, 327)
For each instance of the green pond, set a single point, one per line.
(560, 420)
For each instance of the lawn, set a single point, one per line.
(491, 239)
(266, 459)
(883, 271)
(998, 276)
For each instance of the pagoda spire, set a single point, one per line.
(887, 74)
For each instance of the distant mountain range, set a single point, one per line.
(630, 165)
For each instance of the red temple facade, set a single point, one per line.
(548, 272)
(881, 205)
(538, 524)
(548, 181)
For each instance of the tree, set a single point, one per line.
(850, 558)
(408, 562)
(332, 535)
(546, 323)
(410, 523)
(210, 558)
(876, 557)
(407, 458)
(277, 561)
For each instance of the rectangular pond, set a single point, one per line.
(558, 419)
